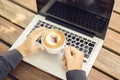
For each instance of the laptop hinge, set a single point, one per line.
(80, 30)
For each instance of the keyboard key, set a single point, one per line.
(73, 37)
(85, 51)
(93, 42)
(81, 41)
(77, 43)
(85, 42)
(42, 25)
(81, 49)
(86, 47)
(77, 47)
(73, 41)
(81, 45)
(68, 43)
(90, 44)
(86, 55)
(69, 40)
(90, 48)
(69, 35)
(84, 61)
(77, 39)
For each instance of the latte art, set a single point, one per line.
(53, 39)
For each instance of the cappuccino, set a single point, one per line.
(53, 39)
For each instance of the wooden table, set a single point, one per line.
(15, 15)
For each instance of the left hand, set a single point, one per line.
(29, 47)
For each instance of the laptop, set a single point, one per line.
(84, 23)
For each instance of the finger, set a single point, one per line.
(65, 63)
(40, 48)
(38, 32)
(67, 52)
(74, 51)
(63, 57)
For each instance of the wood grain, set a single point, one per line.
(3, 48)
(114, 22)
(117, 6)
(8, 31)
(31, 4)
(112, 41)
(40, 75)
(24, 71)
(109, 63)
(15, 13)
(96, 75)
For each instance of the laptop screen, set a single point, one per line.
(100, 7)
(90, 15)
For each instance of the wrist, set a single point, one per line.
(75, 67)
(22, 51)
(69, 69)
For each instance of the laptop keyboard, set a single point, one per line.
(81, 43)
(77, 16)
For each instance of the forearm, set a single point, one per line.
(76, 75)
(8, 62)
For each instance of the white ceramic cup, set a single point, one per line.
(54, 50)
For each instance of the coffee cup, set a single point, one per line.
(53, 41)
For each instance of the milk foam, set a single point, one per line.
(50, 36)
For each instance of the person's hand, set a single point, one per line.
(73, 58)
(29, 47)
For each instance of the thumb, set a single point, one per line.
(67, 52)
(39, 48)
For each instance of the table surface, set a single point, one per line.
(15, 15)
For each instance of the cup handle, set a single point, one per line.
(62, 50)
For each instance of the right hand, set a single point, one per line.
(73, 58)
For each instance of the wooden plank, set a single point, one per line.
(109, 63)
(3, 48)
(40, 75)
(96, 75)
(112, 41)
(117, 6)
(31, 4)
(25, 71)
(8, 31)
(114, 24)
(15, 13)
